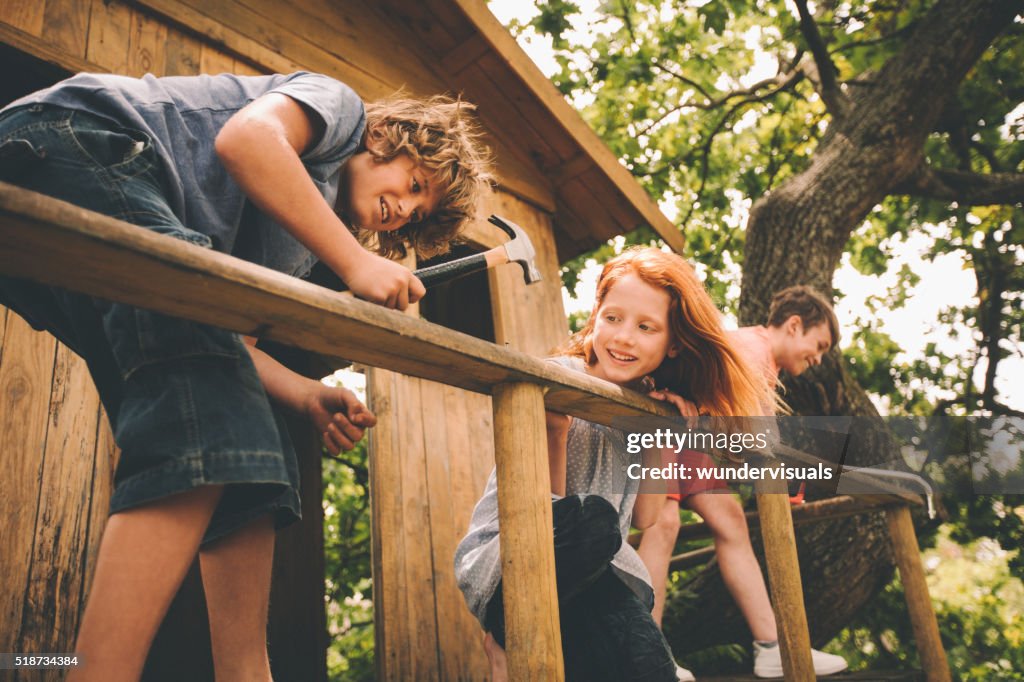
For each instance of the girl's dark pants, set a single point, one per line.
(607, 632)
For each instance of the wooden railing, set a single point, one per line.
(60, 244)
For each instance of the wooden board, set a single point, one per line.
(66, 25)
(109, 35)
(25, 378)
(54, 589)
(24, 15)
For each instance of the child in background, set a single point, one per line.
(281, 171)
(801, 328)
(652, 320)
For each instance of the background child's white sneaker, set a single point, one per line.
(684, 675)
(768, 661)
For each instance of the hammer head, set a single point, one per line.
(519, 249)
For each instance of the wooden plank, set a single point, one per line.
(182, 54)
(471, 457)
(443, 456)
(147, 45)
(214, 61)
(436, 30)
(258, 38)
(44, 51)
(297, 624)
(24, 15)
(919, 604)
(218, 34)
(784, 579)
(244, 68)
(25, 378)
(66, 25)
(177, 278)
(589, 209)
(354, 34)
(532, 635)
(524, 103)
(52, 599)
(386, 493)
(110, 28)
(502, 120)
(418, 635)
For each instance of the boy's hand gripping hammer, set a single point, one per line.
(517, 250)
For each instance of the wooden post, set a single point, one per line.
(532, 636)
(919, 604)
(784, 579)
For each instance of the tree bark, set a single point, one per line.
(796, 235)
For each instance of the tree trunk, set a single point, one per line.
(796, 235)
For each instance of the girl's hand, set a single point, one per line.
(339, 417)
(685, 407)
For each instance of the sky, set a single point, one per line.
(912, 326)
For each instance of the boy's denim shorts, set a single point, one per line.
(184, 400)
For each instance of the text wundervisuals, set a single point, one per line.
(682, 472)
(695, 440)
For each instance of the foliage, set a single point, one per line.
(979, 606)
(347, 558)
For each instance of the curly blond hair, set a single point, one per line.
(439, 134)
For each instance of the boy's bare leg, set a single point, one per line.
(655, 551)
(740, 570)
(496, 657)
(143, 557)
(236, 579)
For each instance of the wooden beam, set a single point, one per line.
(61, 244)
(532, 635)
(44, 50)
(915, 588)
(784, 580)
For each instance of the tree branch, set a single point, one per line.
(836, 102)
(972, 189)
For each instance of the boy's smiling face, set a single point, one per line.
(386, 195)
(803, 348)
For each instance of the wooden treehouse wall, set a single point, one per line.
(432, 450)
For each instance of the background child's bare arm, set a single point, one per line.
(260, 147)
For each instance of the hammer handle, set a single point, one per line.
(446, 272)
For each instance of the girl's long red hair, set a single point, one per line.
(706, 370)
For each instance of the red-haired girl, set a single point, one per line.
(652, 322)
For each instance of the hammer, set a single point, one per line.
(517, 250)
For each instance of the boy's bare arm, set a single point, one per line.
(558, 438)
(260, 147)
(338, 415)
(651, 496)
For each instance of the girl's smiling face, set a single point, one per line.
(631, 332)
